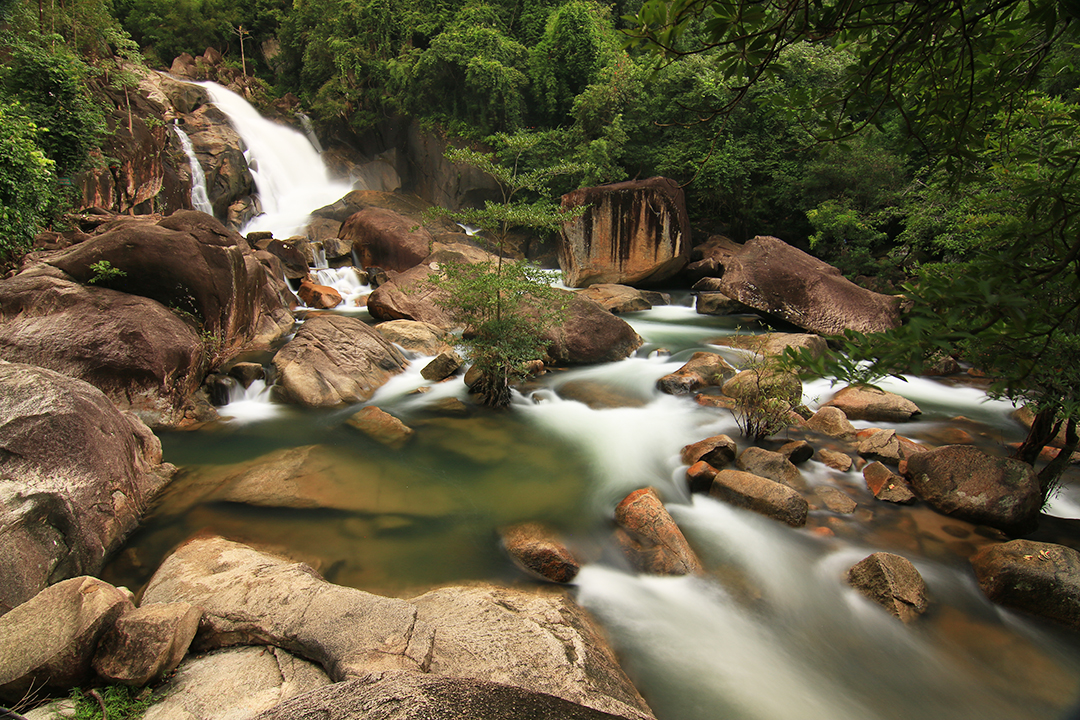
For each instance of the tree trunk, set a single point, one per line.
(1048, 477)
(1042, 431)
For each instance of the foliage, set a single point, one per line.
(104, 272)
(765, 398)
(505, 306)
(27, 182)
(119, 702)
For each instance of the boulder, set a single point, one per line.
(878, 444)
(761, 495)
(48, 641)
(703, 369)
(836, 500)
(143, 356)
(76, 477)
(892, 582)
(774, 343)
(381, 426)
(246, 373)
(319, 297)
(291, 255)
(252, 598)
(333, 360)
(409, 696)
(146, 644)
(769, 275)
(835, 459)
(699, 476)
(717, 303)
(234, 684)
(771, 465)
(537, 639)
(386, 239)
(833, 422)
(797, 451)
(410, 296)
(536, 548)
(634, 232)
(1037, 578)
(408, 206)
(964, 482)
(650, 538)
(865, 402)
(719, 451)
(886, 485)
(764, 382)
(590, 334)
(443, 366)
(416, 337)
(618, 298)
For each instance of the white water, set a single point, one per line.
(290, 177)
(200, 198)
(251, 404)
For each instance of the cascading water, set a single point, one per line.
(200, 198)
(290, 177)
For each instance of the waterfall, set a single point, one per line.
(200, 199)
(305, 122)
(289, 174)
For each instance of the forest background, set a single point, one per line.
(929, 148)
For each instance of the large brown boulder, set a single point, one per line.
(142, 355)
(49, 641)
(386, 239)
(147, 643)
(764, 496)
(411, 696)
(865, 402)
(590, 334)
(76, 476)
(965, 482)
(650, 538)
(335, 359)
(634, 232)
(1037, 578)
(769, 275)
(410, 296)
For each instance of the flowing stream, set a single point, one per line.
(770, 631)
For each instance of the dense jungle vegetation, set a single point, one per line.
(929, 147)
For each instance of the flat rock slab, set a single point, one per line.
(409, 696)
(1040, 579)
(249, 597)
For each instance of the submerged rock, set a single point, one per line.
(892, 582)
(381, 426)
(537, 550)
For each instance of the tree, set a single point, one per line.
(27, 182)
(958, 79)
(505, 305)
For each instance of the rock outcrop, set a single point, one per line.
(334, 360)
(76, 476)
(769, 275)
(632, 233)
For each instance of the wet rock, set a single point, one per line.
(717, 303)
(1037, 578)
(887, 485)
(146, 643)
(590, 334)
(699, 476)
(836, 500)
(797, 451)
(443, 366)
(319, 297)
(48, 641)
(410, 296)
(650, 538)
(247, 372)
(892, 582)
(769, 275)
(864, 402)
(771, 465)
(249, 597)
(76, 477)
(381, 426)
(719, 451)
(291, 256)
(597, 394)
(761, 495)
(878, 444)
(333, 360)
(409, 696)
(634, 232)
(537, 549)
(417, 337)
(538, 639)
(833, 422)
(618, 298)
(964, 482)
(775, 343)
(703, 369)
(834, 459)
(234, 683)
(384, 238)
